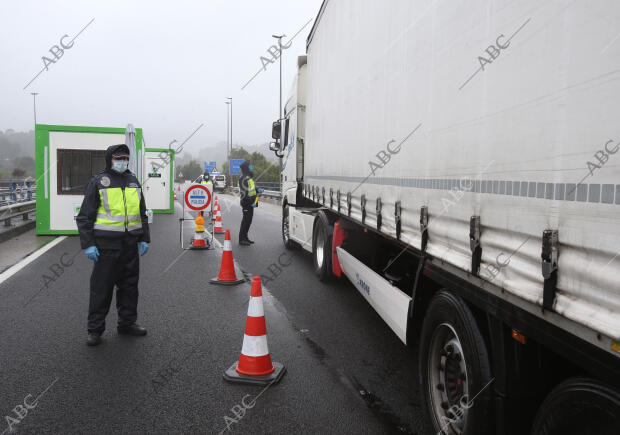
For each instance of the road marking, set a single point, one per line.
(29, 259)
(173, 262)
(610, 44)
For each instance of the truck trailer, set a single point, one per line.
(458, 163)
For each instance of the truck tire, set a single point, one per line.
(288, 243)
(322, 235)
(579, 406)
(454, 368)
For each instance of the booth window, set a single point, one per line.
(76, 168)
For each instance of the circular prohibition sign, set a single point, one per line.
(196, 199)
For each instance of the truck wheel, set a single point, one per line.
(454, 368)
(579, 406)
(286, 238)
(322, 235)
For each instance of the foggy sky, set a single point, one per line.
(164, 66)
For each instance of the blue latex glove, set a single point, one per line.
(255, 205)
(260, 190)
(144, 247)
(92, 252)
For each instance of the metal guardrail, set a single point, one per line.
(268, 193)
(272, 193)
(270, 189)
(268, 185)
(7, 212)
(16, 191)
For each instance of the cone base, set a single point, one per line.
(231, 375)
(201, 244)
(235, 282)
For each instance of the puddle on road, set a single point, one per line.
(381, 410)
(316, 349)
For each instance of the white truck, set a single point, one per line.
(458, 162)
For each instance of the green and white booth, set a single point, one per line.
(158, 183)
(67, 157)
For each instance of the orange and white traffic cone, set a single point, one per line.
(255, 365)
(217, 226)
(199, 241)
(227, 274)
(217, 210)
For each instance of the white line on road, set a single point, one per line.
(29, 259)
(610, 44)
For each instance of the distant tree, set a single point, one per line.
(14, 144)
(24, 162)
(190, 171)
(18, 173)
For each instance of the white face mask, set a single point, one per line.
(120, 165)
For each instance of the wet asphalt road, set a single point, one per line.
(345, 333)
(346, 371)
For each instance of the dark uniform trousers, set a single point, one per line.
(120, 267)
(248, 214)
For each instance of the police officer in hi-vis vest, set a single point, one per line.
(249, 200)
(206, 179)
(113, 228)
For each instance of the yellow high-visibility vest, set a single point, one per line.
(119, 209)
(251, 187)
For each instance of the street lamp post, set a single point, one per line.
(231, 136)
(228, 137)
(279, 38)
(34, 102)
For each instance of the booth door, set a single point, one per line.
(156, 186)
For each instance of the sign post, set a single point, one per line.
(235, 166)
(210, 167)
(197, 198)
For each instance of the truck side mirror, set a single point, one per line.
(276, 130)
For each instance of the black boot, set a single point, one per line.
(251, 241)
(134, 329)
(94, 338)
(245, 242)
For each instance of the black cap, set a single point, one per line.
(122, 151)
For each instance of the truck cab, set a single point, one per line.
(289, 133)
(289, 141)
